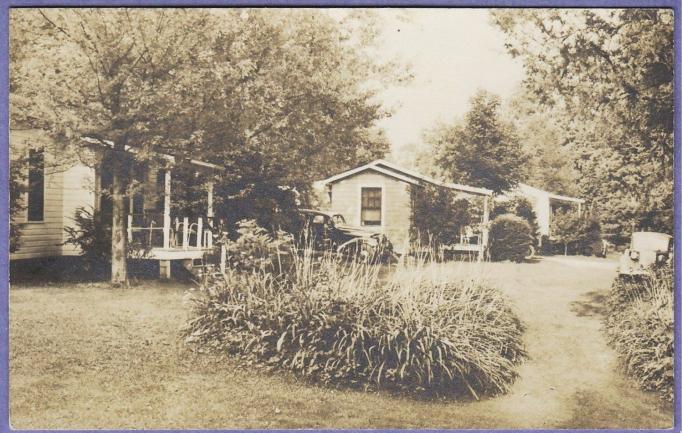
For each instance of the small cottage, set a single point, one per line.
(377, 196)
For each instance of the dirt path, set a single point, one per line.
(572, 379)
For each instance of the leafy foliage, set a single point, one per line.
(437, 216)
(482, 151)
(519, 206)
(339, 324)
(573, 230)
(92, 235)
(256, 249)
(551, 162)
(286, 96)
(17, 179)
(607, 75)
(640, 327)
(510, 238)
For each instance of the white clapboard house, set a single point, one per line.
(57, 186)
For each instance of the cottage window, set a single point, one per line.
(370, 214)
(36, 185)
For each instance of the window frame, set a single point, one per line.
(381, 207)
(27, 195)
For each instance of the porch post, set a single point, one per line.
(166, 209)
(130, 228)
(209, 210)
(484, 232)
(200, 232)
(98, 187)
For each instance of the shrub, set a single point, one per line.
(17, 186)
(93, 236)
(640, 327)
(519, 206)
(437, 217)
(510, 238)
(255, 248)
(338, 323)
(573, 231)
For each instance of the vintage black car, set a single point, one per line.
(328, 231)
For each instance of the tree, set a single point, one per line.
(109, 75)
(565, 228)
(437, 216)
(271, 94)
(551, 164)
(608, 74)
(483, 150)
(570, 228)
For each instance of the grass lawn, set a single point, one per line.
(86, 356)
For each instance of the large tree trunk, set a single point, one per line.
(119, 268)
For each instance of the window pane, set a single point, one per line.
(36, 185)
(370, 213)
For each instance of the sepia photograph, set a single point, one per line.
(340, 218)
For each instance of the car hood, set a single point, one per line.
(357, 231)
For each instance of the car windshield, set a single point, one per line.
(338, 219)
(643, 241)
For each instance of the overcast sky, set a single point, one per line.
(453, 53)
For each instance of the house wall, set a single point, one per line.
(345, 199)
(78, 191)
(65, 189)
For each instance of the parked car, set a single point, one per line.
(328, 231)
(647, 249)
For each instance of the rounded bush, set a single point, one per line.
(342, 325)
(510, 238)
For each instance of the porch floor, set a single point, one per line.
(178, 253)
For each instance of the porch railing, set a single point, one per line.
(153, 230)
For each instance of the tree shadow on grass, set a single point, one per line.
(592, 304)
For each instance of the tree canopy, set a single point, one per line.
(483, 150)
(285, 95)
(608, 76)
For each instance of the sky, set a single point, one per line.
(453, 53)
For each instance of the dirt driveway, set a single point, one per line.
(572, 379)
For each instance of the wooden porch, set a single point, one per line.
(154, 235)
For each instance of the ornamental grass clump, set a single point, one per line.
(423, 328)
(640, 327)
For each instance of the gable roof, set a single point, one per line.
(405, 175)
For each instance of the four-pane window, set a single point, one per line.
(370, 214)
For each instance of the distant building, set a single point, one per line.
(544, 204)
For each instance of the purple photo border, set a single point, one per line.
(5, 6)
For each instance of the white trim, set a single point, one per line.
(376, 166)
(370, 166)
(457, 186)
